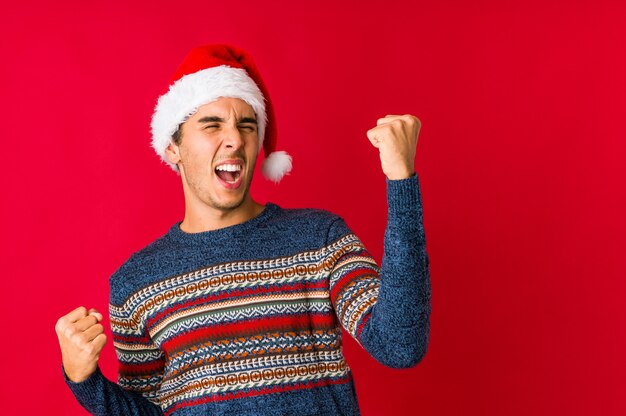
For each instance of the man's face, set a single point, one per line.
(217, 154)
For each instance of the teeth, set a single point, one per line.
(229, 168)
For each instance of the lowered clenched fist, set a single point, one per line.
(81, 337)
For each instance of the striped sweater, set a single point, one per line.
(247, 319)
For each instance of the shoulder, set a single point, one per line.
(312, 215)
(304, 217)
(325, 225)
(137, 270)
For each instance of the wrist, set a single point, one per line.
(77, 376)
(398, 176)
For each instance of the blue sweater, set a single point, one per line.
(246, 320)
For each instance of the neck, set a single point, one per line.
(199, 219)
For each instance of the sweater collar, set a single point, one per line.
(210, 236)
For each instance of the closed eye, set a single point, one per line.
(251, 129)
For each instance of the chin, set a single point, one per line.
(227, 203)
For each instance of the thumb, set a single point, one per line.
(95, 313)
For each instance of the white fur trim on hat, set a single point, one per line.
(192, 91)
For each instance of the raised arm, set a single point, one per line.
(387, 310)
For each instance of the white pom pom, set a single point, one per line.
(276, 165)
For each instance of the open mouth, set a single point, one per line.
(230, 174)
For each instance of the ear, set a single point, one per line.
(172, 152)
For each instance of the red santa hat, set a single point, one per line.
(207, 73)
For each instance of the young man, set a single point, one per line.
(238, 308)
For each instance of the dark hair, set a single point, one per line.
(178, 135)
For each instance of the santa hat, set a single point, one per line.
(207, 73)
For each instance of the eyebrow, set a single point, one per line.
(215, 119)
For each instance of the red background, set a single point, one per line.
(521, 160)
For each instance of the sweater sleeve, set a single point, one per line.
(100, 396)
(386, 309)
(141, 368)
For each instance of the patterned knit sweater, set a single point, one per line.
(246, 320)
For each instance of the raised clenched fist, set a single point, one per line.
(395, 136)
(81, 337)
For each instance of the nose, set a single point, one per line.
(232, 137)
